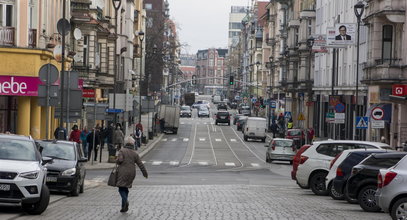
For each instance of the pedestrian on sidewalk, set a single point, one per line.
(75, 135)
(84, 134)
(126, 171)
(56, 133)
(92, 146)
(118, 137)
(137, 135)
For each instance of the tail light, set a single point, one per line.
(334, 160)
(229, 117)
(273, 147)
(387, 179)
(247, 129)
(339, 172)
(303, 159)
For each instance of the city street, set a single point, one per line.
(203, 172)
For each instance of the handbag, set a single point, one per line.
(112, 177)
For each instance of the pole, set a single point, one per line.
(357, 83)
(47, 103)
(67, 100)
(139, 81)
(115, 62)
(61, 133)
(94, 134)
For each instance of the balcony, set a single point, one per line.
(7, 36)
(32, 38)
(384, 71)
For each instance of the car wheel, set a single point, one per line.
(216, 123)
(291, 162)
(228, 123)
(333, 193)
(349, 199)
(398, 209)
(267, 158)
(40, 206)
(317, 184)
(366, 199)
(245, 138)
(263, 140)
(76, 189)
(82, 186)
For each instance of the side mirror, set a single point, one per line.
(46, 160)
(83, 159)
(39, 147)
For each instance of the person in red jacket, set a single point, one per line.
(75, 134)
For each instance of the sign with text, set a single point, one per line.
(88, 93)
(377, 124)
(341, 35)
(399, 90)
(319, 44)
(19, 85)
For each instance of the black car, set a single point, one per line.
(240, 122)
(235, 117)
(233, 105)
(222, 117)
(67, 171)
(222, 106)
(362, 185)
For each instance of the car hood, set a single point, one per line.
(60, 165)
(18, 166)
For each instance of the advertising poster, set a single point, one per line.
(341, 35)
(319, 44)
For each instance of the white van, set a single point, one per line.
(255, 128)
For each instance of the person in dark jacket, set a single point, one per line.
(89, 139)
(126, 170)
(56, 133)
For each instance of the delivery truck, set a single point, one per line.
(170, 114)
(189, 98)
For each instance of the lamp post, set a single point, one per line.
(116, 5)
(257, 87)
(358, 8)
(270, 112)
(150, 133)
(310, 44)
(141, 38)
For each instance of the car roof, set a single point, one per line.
(390, 155)
(282, 139)
(16, 137)
(56, 141)
(257, 118)
(378, 144)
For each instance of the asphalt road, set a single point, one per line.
(203, 172)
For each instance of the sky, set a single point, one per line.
(202, 24)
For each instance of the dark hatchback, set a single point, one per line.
(362, 185)
(222, 117)
(67, 171)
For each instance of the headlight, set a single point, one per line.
(30, 175)
(69, 172)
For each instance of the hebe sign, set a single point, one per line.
(399, 90)
(19, 85)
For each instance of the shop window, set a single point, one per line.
(387, 43)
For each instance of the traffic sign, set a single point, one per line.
(379, 124)
(287, 115)
(399, 90)
(301, 117)
(377, 113)
(362, 122)
(340, 107)
(112, 110)
(273, 104)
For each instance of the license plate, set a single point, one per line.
(222, 117)
(51, 179)
(4, 187)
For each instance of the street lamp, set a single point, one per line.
(310, 44)
(270, 112)
(116, 5)
(150, 133)
(257, 86)
(359, 8)
(141, 38)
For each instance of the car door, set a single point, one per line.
(80, 165)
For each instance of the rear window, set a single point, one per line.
(295, 133)
(223, 113)
(245, 107)
(184, 108)
(381, 162)
(283, 143)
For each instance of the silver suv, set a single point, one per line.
(22, 174)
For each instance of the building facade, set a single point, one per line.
(210, 64)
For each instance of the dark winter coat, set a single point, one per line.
(118, 137)
(126, 170)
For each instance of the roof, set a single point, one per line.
(261, 10)
(390, 155)
(257, 118)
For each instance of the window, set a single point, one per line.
(85, 49)
(148, 6)
(6, 15)
(327, 149)
(387, 42)
(381, 162)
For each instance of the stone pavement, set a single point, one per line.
(145, 148)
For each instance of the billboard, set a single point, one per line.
(341, 35)
(319, 43)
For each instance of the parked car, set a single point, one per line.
(235, 117)
(280, 149)
(203, 112)
(255, 128)
(240, 122)
(297, 135)
(23, 173)
(312, 172)
(222, 105)
(233, 105)
(297, 160)
(391, 194)
(222, 117)
(245, 110)
(199, 103)
(362, 185)
(341, 168)
(185, 111)
(67, 171)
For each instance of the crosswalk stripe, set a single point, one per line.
(164, 139)
(255, 164)
(174, 163)
(233, 140)
(174, 139)
(201, 139)
(218, 140)
(186, 139)
(203, 163)
(230, 164)
(182, 123)
(156, 163)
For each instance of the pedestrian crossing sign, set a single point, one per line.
(301, 117)
(362, 122)
(287, 115)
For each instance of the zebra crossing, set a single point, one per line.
(200, 163)
(199, 139)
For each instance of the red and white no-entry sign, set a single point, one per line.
(377, 113)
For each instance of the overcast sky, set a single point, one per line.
(202, 23)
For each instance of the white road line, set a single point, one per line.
(164, 139)
(186, 139)
(213, 149)
(218, 140)
(255, 164)
(202, 139)
(241, 163)
(230, 164)
(233, 140)
(174, 139)
(204, 163)
(156, 163)
(193, 148)
(174, 163)
(261, 159)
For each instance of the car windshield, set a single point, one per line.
(294, 133)
(185, 108)
(58, 150)
(283, 143)
(245, 107)
(17, 150)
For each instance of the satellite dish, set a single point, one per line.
(77, 33)
(58, 53)
(77, 58)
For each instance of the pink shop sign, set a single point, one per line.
(19, 85)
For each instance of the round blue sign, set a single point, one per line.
(340, 108)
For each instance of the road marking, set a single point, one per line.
(174, 139)
(233, 140)
(204, 163)
(186, 139)
(156, 163)
(201, 139)
(182, 123)
(174, 163)
(255, 164)
(230, 164)
(164, 139)
(213, 149)
(218, 140)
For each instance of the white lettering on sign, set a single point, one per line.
(13, 87)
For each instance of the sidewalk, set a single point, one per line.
(145, 148)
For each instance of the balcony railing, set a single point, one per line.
(7, 36)
(388, 61)
(32, 38)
